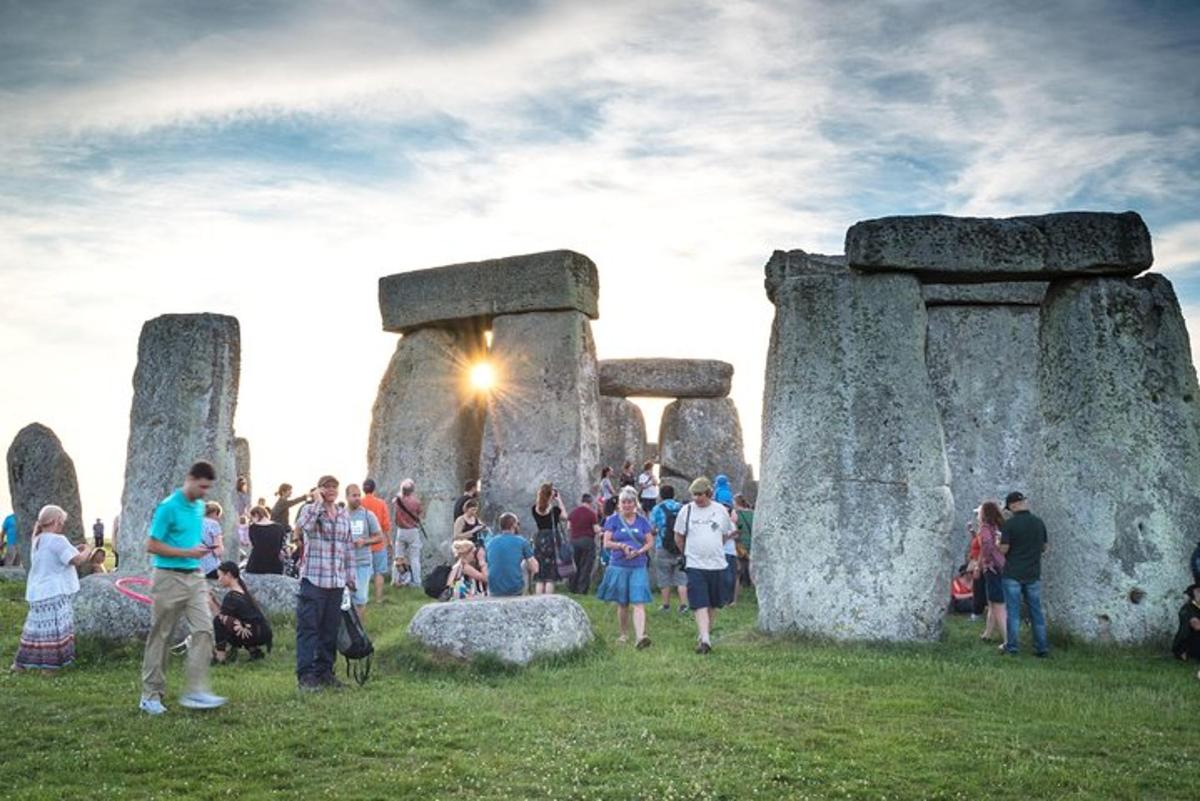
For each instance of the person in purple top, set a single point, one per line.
(629, 538)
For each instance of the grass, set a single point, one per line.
(758, 718)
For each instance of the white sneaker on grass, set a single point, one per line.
(152, 706)
(201, 701)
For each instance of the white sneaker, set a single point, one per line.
(201, 701)
(152, 706)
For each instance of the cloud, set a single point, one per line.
(273, 160)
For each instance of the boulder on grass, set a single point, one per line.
(513, 630)
(104, 612)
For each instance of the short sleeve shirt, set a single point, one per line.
(179, 523)
(1025, 535)
(631, 534)
(581, 520)
(50, 570)
(505, 555)
(10, 529)
(210, 535)
(363, 525)
(704, 529)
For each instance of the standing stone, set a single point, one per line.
(1118, 481)
(427, 425)
(184, 398)
(622, 434)
(983, 365)
(39, 473)
(543, 418)
(854, 504)
(241, 452)
(702, 437)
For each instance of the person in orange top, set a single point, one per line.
(381, 565)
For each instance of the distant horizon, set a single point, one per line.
(272, 161)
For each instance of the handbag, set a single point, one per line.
(564, 551)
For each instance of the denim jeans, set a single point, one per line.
(318, 616)
(1032, 592)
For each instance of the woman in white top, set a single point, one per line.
(648, 486)
(48, 638)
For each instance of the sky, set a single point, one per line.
(272, 160)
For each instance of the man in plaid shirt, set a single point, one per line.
(327, 569)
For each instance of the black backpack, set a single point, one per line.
(356, 646)
(668, 537)
(435, 583)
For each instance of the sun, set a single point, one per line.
(482, 376)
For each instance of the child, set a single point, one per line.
(95, 564)
(465, 580)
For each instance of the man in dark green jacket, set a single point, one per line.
(1023, 541)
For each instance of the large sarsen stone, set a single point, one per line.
(938, 247)
(1118, 480)
(427, 425)
(702, 437)
(514, 630)
(854, 504)
(184, 398)
(665, 378)
(543, 415)
(557, 280)
(39, 473)
(983, 365)
(622, 434)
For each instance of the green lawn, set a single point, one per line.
(757, 718)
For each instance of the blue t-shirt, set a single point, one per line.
(631, 534)
(506, 553)
(179, 523)
(10, 529)
(658, 517)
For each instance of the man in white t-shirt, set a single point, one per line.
(701, 530)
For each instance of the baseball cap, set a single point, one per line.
(1013, 497)
(701, 486)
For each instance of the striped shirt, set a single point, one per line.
(328, 546)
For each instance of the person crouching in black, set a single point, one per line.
(239, 621)
(1187, 638)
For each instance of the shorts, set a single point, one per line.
(667, 570)
(362, 583)
(705, 588)
(380, 565)
(995, 591)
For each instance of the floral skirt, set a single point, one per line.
(48, 638)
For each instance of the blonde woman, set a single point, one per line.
(48, 637)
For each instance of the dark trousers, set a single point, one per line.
(583, 551)
(224, 636)
(318, 615)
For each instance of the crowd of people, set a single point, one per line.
(627, 532)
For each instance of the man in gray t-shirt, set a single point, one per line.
(365, 531)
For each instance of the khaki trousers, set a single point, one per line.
(177, 595)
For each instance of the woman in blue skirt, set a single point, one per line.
(628, 539)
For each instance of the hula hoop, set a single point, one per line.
(123, 584)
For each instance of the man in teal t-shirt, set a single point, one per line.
(12, 542)
(179, 590)
(509, 558)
